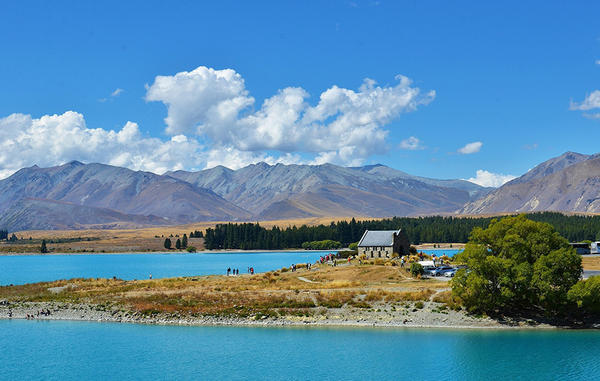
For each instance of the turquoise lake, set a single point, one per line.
(20, 269)
(38, 268)
(55, 350)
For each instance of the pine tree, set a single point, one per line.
(167, 244)
(43, 248)
(178, 244)
(184, 241)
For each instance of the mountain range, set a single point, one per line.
(567, 183)
(77, 195)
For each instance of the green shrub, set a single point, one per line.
(416, 269)
(327, 244)
(353, 246)
(586, 295)
(346, 253)
(191, 249)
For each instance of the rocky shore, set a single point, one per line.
(430, 316)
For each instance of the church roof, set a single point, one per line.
(378, 238)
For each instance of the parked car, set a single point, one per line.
(450, 273)
(441, 270)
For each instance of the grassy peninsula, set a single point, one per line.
(518, 271)
(374, 293)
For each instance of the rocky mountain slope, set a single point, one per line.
(39, 214)
(99, 188)
(568, 183)
(328, 190)
(76, 195)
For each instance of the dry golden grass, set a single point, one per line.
(273, 293)
(590, 263)
(150, 232)
(140, 239)
(399, 296)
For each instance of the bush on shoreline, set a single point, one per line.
(326, 244)
(516, 265)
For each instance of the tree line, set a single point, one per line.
(435, 229)
(179, 244)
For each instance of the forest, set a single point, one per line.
(435, 229)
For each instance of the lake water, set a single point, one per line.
(55, 350)
(441, 252)
(39, 268)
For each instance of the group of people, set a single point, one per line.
(43, 312)
(231, 271)
(327, 258)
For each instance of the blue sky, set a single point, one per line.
(513, 76)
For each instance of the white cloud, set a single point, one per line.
(489, 179)
(590, 102)
(470, 148)
(201, 101)
(411, 144)
(234, 159)
(345, 125)
(213, 107)
(597, 62)
(56, 139)
(116, 92)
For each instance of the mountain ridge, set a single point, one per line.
(258, 186)
(567, 183)
(257, 191)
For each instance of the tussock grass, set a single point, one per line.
(398, 296)
(274, 293)
(448, 300)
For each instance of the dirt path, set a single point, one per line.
(306, 280)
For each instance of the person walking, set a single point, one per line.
(228, 270)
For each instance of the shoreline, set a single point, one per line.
(225, 251)
(229, 251)
(335, 318)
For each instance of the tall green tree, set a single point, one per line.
(184, 241)
(178, 244)
(43, 248)
(167, 244)
(516, 264)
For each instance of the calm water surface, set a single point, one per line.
(39, 268)
(110, 351)
(441, 252)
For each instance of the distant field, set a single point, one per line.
(591, 263)
(131, 240)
